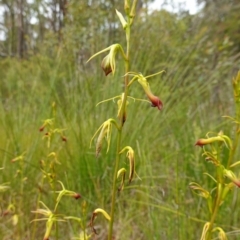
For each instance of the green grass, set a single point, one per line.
(158, 204)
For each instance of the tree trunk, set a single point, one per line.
(20, 43)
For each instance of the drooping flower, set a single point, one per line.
(231, 176)
(50, 218)
(120, 104)
(109, 63)
(94, 215)
(220, 138)
(156, 102)
(105, 132)
(121, 172)
(204, 141)
(131, 157)
(221, 234)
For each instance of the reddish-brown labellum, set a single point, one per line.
(5, 213)
(106, 66)
(64, 139)
(200, 143)
(41, 128)
(204, 141)
(156, 102)
(77, 196)
(91, 223)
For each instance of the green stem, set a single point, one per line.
(215, 211)
(37, 207)
(114, 187)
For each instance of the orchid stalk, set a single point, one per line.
(225, 179)
(109, 65)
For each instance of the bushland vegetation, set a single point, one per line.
(50, 177)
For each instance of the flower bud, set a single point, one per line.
(94, 215)
(119, 103)
(127, 6)
(121, 172)
(105, 132)
(131, 157)
(108, 63)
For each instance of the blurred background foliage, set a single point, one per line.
(44, 47)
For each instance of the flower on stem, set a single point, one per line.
(131, 157)
(231, 176)
(105, 132)
(200, 191)
(65, 192)
(50, 218)
(109, 63)
(94, 215)
(220, 138)
(205, 230)
(156, 102)
(221, 234)
(121, 172)
(47, 122)
(54, 156)
(19, 158)
(204, 141)
(211, 157)
(120, 102)
(10, 210)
